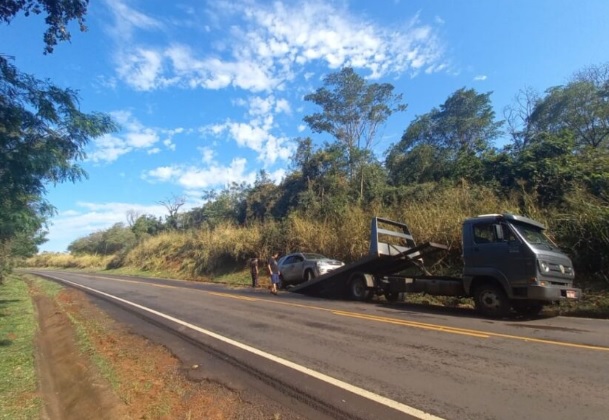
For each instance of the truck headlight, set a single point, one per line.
(544, 266)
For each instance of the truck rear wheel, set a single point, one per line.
(491, 300)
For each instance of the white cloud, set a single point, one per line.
(256, 135)
(169, 144)
(142, 69)
(127, 19)
(208, 154)
(133, 136)
(162, 173)
(108, 148)
(480, 77)
(278, 175)
(268, 44)
(197, 178)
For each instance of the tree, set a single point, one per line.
(518, 118)
(261, 199)
(581, 107)
(548, 168)
(324, 171)
(422, 163)
(173, 205)
(118, 238)
(59, 13)
(451, 138)
(115, 239)
(132, 216)
(146, 225)
(90, 244)
(352, 112)
(225, 205)
(43, 134)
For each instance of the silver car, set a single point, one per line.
(303, 266)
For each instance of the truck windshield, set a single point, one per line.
(534, 236)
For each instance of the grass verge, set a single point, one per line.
(85, 329)
(18, 380)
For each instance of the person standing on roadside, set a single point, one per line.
(254, 270)
(274, 272)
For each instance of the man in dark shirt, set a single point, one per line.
(254, 270)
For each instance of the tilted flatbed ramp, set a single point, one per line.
(337, 281)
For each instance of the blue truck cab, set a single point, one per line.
(510, 262)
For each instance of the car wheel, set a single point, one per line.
(309, 275)
(491, 300)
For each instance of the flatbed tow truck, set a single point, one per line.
(509, 263)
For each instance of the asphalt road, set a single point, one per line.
(341, 359)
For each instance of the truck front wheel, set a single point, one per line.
(491, 300)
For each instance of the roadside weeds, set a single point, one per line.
(17, 365)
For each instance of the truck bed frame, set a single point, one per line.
(392, 250)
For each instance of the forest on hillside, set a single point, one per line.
(554, 168)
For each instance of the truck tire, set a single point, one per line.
(523, 307)
(358, 290)
(491, 300)
(309, 275)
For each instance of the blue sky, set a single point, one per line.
(211, 92)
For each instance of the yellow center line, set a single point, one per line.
(553, 342)
(228, 295)
(387, 320)
(405, 323)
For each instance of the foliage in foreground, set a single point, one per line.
(43, 133)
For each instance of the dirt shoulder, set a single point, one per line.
(90, 366)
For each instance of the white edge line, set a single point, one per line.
(317, 375)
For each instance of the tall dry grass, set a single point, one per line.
(198, 253)
(344, 237)
(60, 260)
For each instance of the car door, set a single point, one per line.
(292, 269)
(287, 269)
(298, 264)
